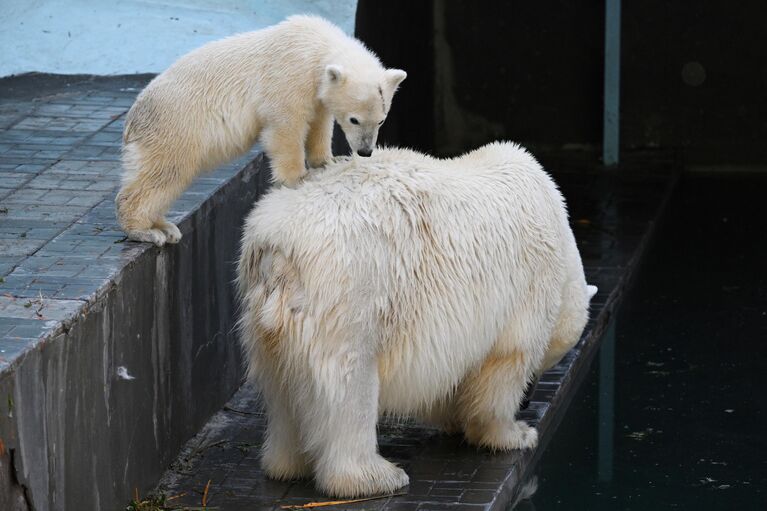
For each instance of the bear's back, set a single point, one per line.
(496, 200)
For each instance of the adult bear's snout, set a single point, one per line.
(365, 152)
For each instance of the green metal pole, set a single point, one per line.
(611, 131)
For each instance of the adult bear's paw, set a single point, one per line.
(374, 477)
(502, 436)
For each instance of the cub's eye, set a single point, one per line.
(354, 120)
(380, 123)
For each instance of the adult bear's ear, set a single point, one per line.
(334, 73)
(394, 77)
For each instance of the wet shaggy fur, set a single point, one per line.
(406, 285)
(282, 85)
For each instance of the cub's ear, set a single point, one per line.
(394, 77)
(334, 73)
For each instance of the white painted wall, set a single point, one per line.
(107, 37)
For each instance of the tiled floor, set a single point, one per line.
(612, 215)
(59, 169)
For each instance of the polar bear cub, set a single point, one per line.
(283, 85)
(407, 285)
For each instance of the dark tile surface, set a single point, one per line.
(59, 170)
(612, 214)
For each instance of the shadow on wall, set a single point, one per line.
(691, 78)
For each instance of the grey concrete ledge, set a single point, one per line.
(112, 353)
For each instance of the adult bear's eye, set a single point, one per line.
(354, 120)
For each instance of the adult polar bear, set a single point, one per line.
(283, 85)
(408, 285)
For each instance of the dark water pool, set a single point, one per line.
(672, 413)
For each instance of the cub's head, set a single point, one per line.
(359, 104)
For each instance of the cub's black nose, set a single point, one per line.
(365, 152)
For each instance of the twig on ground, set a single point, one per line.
(312, 505)
(40, 302)
(205, 495)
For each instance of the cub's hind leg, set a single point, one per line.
(150, 185)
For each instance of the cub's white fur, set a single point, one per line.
(283, 85)
(407, 285)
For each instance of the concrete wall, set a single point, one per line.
(411, 119)
(107, 37)
(81, 433)
(693, 75)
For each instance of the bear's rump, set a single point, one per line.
(422, 367)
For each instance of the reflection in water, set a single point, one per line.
(606, 404)
(670, 416)
(523, 501)
(606, 407)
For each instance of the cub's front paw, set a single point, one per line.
(319, 162)
(155, 236)
(292, 180)
(171, 231)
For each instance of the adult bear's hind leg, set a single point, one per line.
(282, 456)
(489, 399)
(490, 396)
(339, 413)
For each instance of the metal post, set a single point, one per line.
(611, 129)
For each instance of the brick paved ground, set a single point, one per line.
(612, 215)
(60, 245)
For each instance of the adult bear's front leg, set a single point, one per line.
(338, 420)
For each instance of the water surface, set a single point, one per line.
(672, 413)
